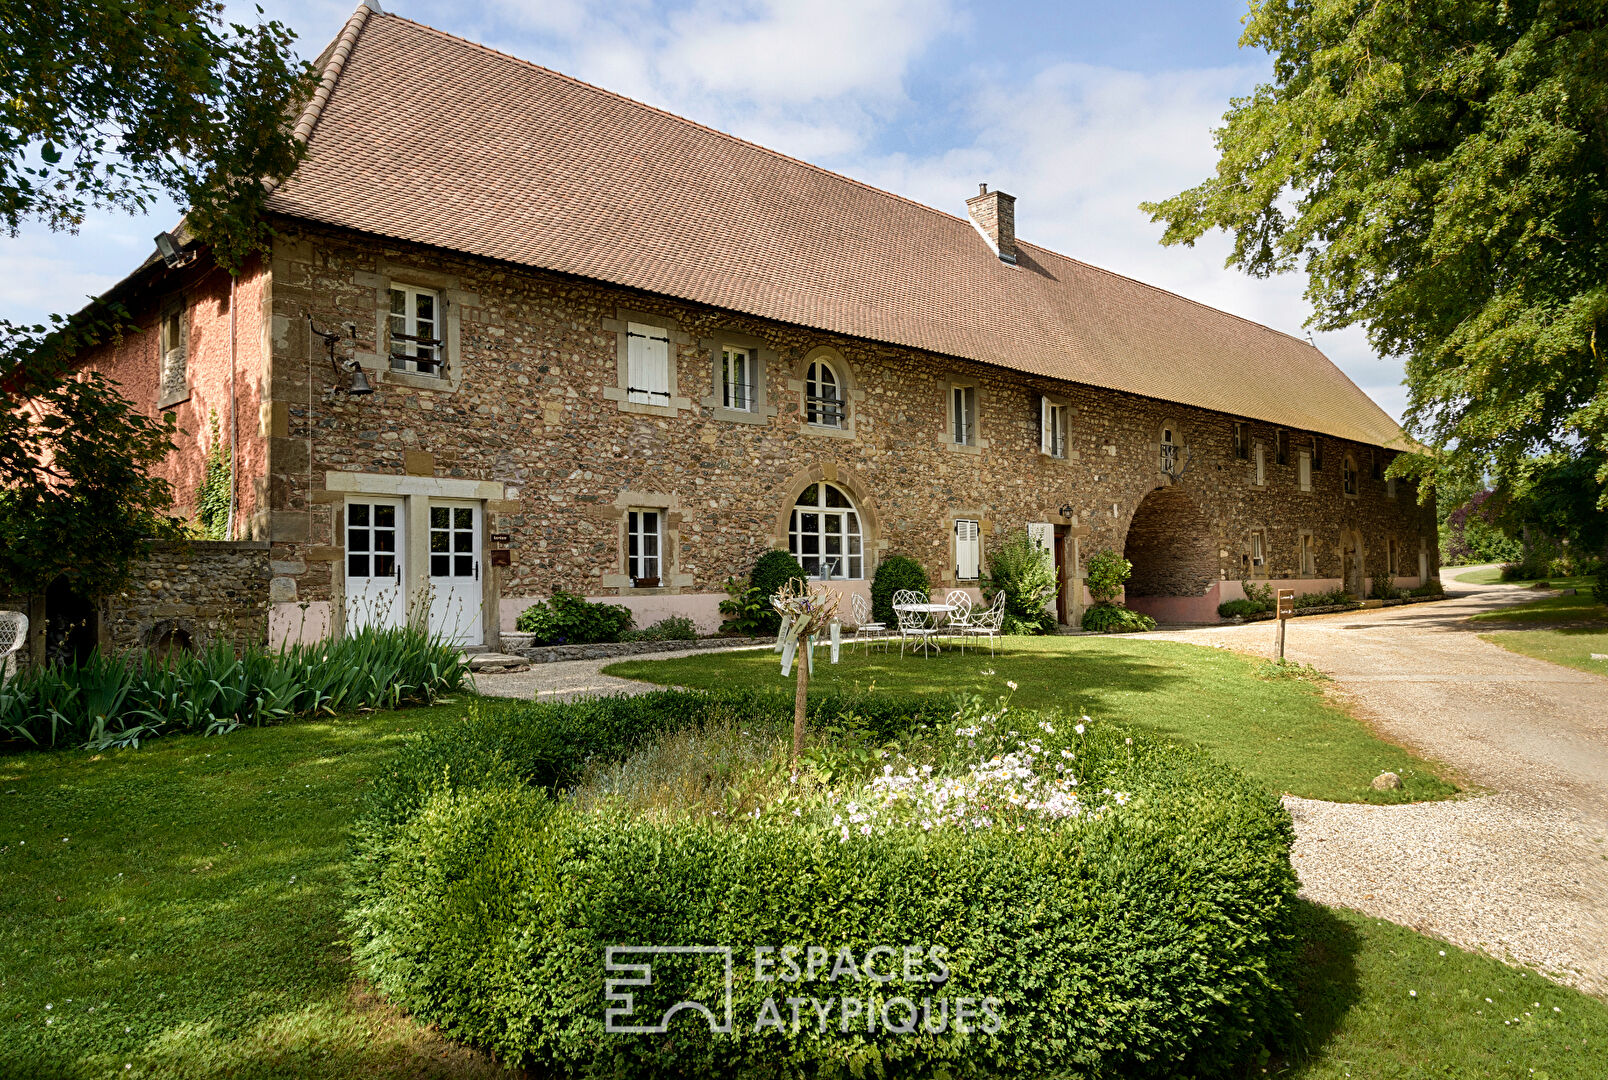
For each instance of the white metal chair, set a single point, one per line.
(13, 639)
(960, 602)
(866, 629)
(913, 625)
(986, 623)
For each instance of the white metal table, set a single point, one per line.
(936, 615)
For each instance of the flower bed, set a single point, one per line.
(1094, 902)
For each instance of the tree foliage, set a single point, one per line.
(1023, 571)
(77, 495)
(119, 103)
(115, 103)
(1439, 168)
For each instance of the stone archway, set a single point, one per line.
(1169, 542)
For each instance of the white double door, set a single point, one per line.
(444, 570)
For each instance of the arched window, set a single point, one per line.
(1169, 452)
(823, 396)
(824, 535)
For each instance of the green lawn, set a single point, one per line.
(1282, 732)
(1565, 630)
(177, 908)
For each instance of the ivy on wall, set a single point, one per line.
(212, 497)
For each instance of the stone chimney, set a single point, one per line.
(994, 214)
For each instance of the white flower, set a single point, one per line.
(1010, 684)
(1129, 741)
(865, 830)
(1078, 728)
(1412, 993)
(887, 770)
(797, 812)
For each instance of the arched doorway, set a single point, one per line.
(1169, 542)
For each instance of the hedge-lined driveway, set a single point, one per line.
(1521, 872)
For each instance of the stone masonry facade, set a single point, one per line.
(186, 594)
(530, 419)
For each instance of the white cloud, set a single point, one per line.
(1080, 147)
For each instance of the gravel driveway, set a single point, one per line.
(1520, 871)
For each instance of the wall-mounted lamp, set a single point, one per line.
(1066, 510)
(359, 386)
(168, 247)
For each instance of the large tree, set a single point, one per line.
(115, 103)
(1439, 168)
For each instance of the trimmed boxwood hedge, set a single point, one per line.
(1156, 941)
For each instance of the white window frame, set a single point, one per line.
(1258, 548)
(642, 525)
(1242, 447)
(1348, 476)
(647, 365)
(850, 564)
(1303, 469)
(968, 549)
(414, 357)
(1309, 555)
(738, 371)
(1054, 425)
(1259, 455)
(1167, 462)
(963, 414)
(817, 412)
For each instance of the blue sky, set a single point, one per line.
(1081, 110)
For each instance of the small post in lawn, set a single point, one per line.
(1286, 608)
(806, 611)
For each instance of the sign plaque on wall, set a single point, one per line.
(501, 557)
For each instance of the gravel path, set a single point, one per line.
(1521, 871)
(577, 678)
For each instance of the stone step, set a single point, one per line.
(491, 663)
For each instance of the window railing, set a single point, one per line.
(1056, 445)
(965, 432)
(825, 410)
(651, 395)
(426, 356)
(740, 396)
(1169, 458)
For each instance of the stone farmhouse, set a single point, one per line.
(615, 352)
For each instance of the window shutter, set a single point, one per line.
(1043, 536)
(648, 364)
(1044, 425)
(967, 553)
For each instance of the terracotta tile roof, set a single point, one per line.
(422, 136)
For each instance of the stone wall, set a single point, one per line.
(532, 406)
(188, 594)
